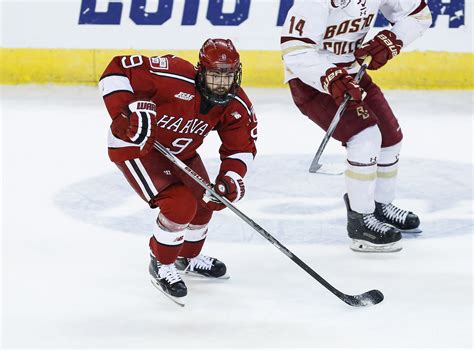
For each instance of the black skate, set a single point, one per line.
(404, 220)
(369, 234)
(202, 266)
(167, 279)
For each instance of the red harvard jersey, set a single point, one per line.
(169, 82)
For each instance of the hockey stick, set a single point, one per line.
(315, 165)
(368, 298)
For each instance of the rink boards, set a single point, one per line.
(71, 41)
(410, 70)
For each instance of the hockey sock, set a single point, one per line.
(387, 171)
(194, 238)
(361, 173)
(167, 240)
(360, 183)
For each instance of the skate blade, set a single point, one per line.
(367, 247)
(179, 301)
(330, 169)
(413, 230)
(198, 275)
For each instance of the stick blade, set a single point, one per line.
(315, 167)
(369, 298)
(327, 169)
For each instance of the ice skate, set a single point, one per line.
(202, 266)
(167, 280)
(370, 234)
(405, 221)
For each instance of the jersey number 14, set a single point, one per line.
(298, 27)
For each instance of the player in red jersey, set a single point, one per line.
(169, 100)
(323, 46)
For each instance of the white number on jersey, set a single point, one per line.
(132, 61)
(181, 143)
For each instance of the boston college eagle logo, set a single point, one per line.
(362, 112)
(340, 3)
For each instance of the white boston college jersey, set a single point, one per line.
(319, 34)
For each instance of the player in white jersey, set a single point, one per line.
(323, 47)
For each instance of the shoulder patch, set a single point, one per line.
(236, 115)
(157, 62)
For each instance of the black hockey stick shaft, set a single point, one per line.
(315, 165)
(368, 298)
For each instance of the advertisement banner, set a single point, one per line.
(185, 24)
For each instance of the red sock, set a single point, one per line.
(165, 254)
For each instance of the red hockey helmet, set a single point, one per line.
(219, 71)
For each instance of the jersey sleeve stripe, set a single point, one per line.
(294, 48)
(245, 105)
(113, 83)
(296, 45)
(114, 142)
(285, 39)
(117, 91)
(112, 75)
(246, 158)
(173, 76)
(350, 64)
(419, 8)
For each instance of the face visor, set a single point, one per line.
(219, 71)
(219, 86)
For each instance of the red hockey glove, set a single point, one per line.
(337, 82)
(383, 47)
(137, 125)
(229, 185)
(142, 127)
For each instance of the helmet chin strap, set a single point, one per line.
(215, 99)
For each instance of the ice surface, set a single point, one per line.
(74, 236)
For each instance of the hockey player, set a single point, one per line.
(322, 46)
(169, 100)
